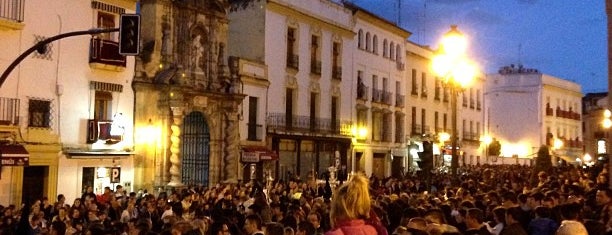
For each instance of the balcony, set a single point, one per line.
(416, 130)
(376, 95)
(12, 14)
(362, 92)
(400, 66)
(386, 97)
(478, 105)
(470, 136)
(293, 61)
(101, 130)
(472, 103)
(254, 132)
(283, 122)
(104, 54)
(424, 92)
(337, 73)
(315, 67)
(437, 94)
(399, 134)
(399, 100)
(549, 111)
(9, 111)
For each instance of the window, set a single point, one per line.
(289, 107)
(315, 60)
(385, 48)
(437, 89)
(436, 128)
(424, 85)
(398, 54)
(39, 113)
(254, 128)
(313, 109)
(292, 58)
(392, 51)
(336, 61)
(423, 122)
(103, 105)
(334, 114)
(414, 82)
(106, 20)
(360, 39)
(444, 121)
(368, 42)
(375, 44)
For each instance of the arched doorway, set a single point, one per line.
(195, 150)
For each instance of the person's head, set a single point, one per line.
(305, 228)
(315, 219)
(183, 227)
(499, 214)
(252, 223)
(351, 200)
(61, 198)
(289, 231)
(603, 196)
(58, 228)
(274, 229)
(513, 215)
(474, 218)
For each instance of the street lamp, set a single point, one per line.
(486, 140)
(456, 71)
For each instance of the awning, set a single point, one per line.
(257, 153)
(14, 155)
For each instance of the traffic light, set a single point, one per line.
(426, 156)
(129, 34)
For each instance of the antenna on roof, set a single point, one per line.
(399, 12)
(520, 47)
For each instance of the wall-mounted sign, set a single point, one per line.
(115, 175)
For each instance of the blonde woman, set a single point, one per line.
(350, 209)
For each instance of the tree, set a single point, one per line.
(542, 163)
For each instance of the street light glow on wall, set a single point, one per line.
(457, 72)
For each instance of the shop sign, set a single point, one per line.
(250, 156)
(14, 161)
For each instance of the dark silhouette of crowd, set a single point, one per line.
(488, 199)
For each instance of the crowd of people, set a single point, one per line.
(488, 199)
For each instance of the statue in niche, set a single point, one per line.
(197, 62)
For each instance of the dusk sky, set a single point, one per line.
(562, 38)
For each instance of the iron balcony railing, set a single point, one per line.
(315, 67)
(254, 131)
(362, 92)
(337, 72)
(416, 129)
(293, 61)
(386, 97)
(9, 111)
(376, 95)
(284, 122)
(105, 52)
(12, 10)
(399, 100)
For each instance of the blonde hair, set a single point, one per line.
(351, 200)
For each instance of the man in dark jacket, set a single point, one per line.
(474, 219)
(513, 225)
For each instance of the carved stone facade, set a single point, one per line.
(182, 70)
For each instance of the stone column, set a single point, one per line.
(175, 147)
(231, 148)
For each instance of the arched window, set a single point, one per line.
(398, 53)
(360, 39)
(368, 41)
(392, 51)
(375, 44)
(385, 48)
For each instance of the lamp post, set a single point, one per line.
(486, 139)
(456, 70)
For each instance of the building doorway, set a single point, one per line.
(378, 165)
(195, 150)
(34, 183)
(397, 166)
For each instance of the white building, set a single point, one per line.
(378, 69)
(305, 48)
(430, 112)
(59, 103)
(527, 109)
